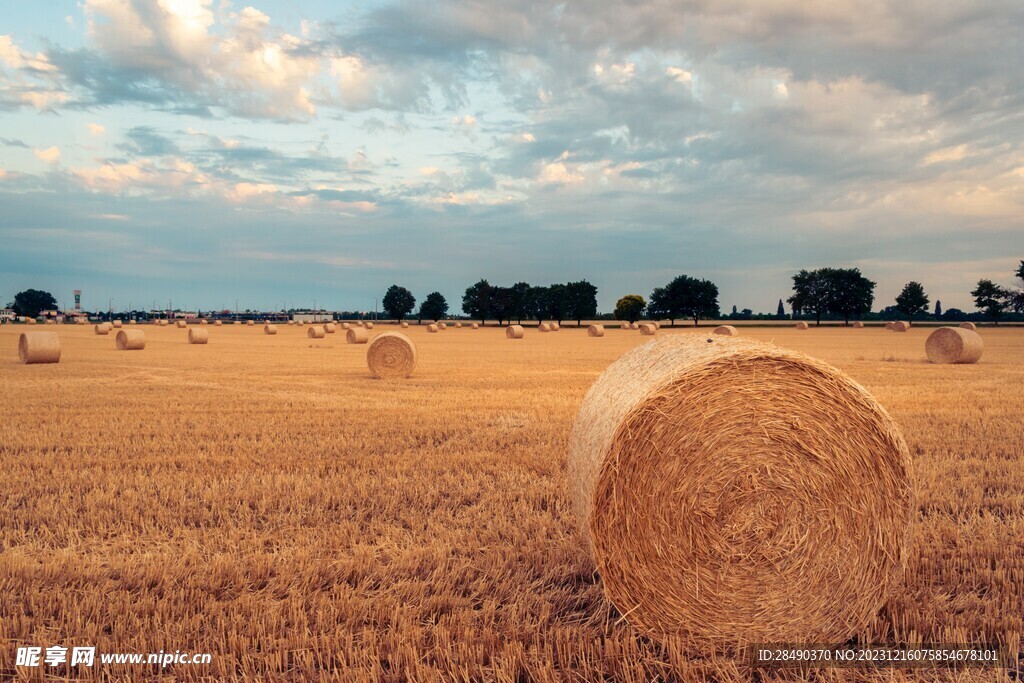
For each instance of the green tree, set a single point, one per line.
(476, 302)
(581, 301)
(30, 302)
(558, 302)
(912, 301)
(685, 297)
(938, 309)
(398, 302)
(1017, 298)
(630, 308)
(518, 300)
(991, 299)
(536, 303)
(434, 307)
(810, 294)
(844, 292)
(501, 303)
(780, 312)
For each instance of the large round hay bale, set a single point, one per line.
(732, 492)
(900, 326)
(475, 326)
(315, 332)
(269, 329)
(404, 325)
(727, 331)
(102, 328)
(357, 335)
(544, 327)
(330, 328)
(514, 332)
(595, 331)
(117, 324)
(802, 325)
(131, 340)
(969, 326)
(857, 324)
(182, 324)
(554, 327)
(432, 328)
(38, 347)
(648, 329)
(391, 355)
(197, 335)
(442, 326)
(948, 345)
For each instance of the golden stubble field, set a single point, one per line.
(262, 499)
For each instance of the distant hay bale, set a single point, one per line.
(38, 347)
(182, 324)
(315, 332)
(889, 325)
(858, 324)
(217, 323)
(727, 330)
(634, 326)
(544, 327)
(203, 322)
(458, 326)
(250, 323)
(514, 332)
(900, 326)
(442, 326)
(554, 327)
(198, 335)
(657, 324)
(361, 323)
(954, 345)
(117, 324)
(432, 328)
(475, 326)
(357, 335)
(404, 325)
(734, 492)
(802, 325)
(269, 329)
(102, 328)
(969, 326)
(595, 331)
(48, 321)
(131, 322)
(369, 326)
(30, 321)
(346, 326)
(391, 355)
(330, 328)
(131, 340)
(648, 329)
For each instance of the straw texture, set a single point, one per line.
(315, 332)
(269, 329)
(595, 331)
(648, 329)
(357, 335)
(197, 335)
(514, 331)
(733, 492)
(969, 326)
(38, 347)
(802, 325)
(131, 340)
(948, 345)
(391, 355)
(727, 331)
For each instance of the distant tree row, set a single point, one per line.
(570, 301)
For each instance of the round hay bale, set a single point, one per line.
(250, 323)
(198, 336)
(404, 325)
(657, 324)
(857, 324)
(30, 321)
(554, 327)
(544, 327)
(369, 326)
(182, 324)
(346, 326)
(391, 355)
(475, 326)
(357, 335)
(648, 329)
(734, 492)
(727, 330)
(49, 321)
(969, 326)
(458, 326)
(949, 345)
(217, 323)
(442, 326)
(102, 328)
(900, 326)
(132, 322)
(131, 340)
(315, 332)
(330, 328)
(595, 331)
(117, 324)
(269, 329)
(38, 347)
(634, 326)
(889, 325)
(203, 322)
(514, 332)
(802, 325)
(432, 328)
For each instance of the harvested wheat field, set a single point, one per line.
(268, 501)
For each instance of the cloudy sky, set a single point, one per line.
(207, 152)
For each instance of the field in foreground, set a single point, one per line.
(262, 499)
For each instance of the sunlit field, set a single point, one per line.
(261, 498)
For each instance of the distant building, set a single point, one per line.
(7, 315)
(312, 317)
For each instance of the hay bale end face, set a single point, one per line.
(900, 326)
(727, 331)
(432, 328)
(783, 519)
(969, 326)
(357, 335)
(35, 348)
(270, 329)
(198, 335)
(595, 331)
(954, 345)
(131, 340)
(514, 332)
(391, 355)
(648, 329)
(102, 328)
(802, 325)
(315, 332)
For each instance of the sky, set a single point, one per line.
(278, 154)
